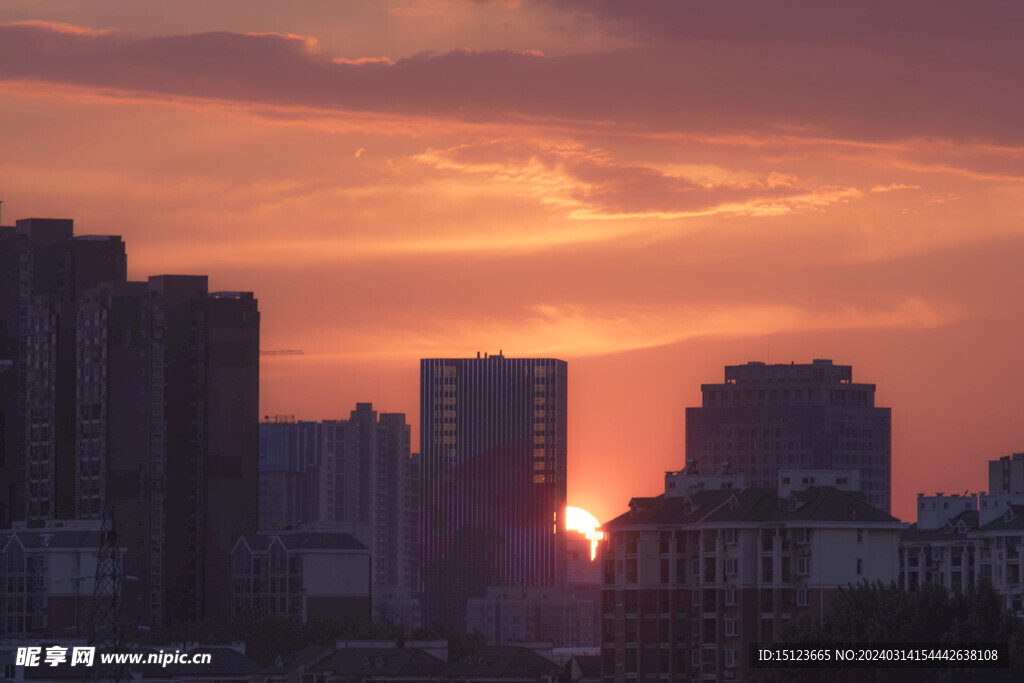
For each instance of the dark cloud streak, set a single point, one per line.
(879, 88)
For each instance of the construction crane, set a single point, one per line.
(281, 352)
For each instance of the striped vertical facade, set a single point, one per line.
(493, 485)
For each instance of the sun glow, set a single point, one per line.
(577, 519)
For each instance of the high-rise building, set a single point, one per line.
(353, 475)
(138, 396)
(811, 416)
(1006, 475)
(493, 478)
(54, 269)
(291, 472)
(204, 435)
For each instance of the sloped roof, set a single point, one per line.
(671, 510)
(53, 538)
(289, 663)
(816, 504)
(224, 663)
(589, 665)
(381, 661)
(305, 540)
(502, 662)
(1000, 523)
(916, 535)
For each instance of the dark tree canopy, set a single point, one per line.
(879, 614)
(268, 635)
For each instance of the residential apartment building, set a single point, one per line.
(691, 578)
(509, 615)
(137, 396)
(300, 574)
(961, 539)
(47, 574)
(61, 267)
(355, 475)
(291, 472)
(763, 418)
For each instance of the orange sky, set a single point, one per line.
(649, 190)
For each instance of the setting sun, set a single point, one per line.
(577, 519)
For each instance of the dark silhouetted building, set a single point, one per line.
(493, 478)
(1006, 475)
(205, 441)
(811, 416)
(54, 268)
(353, 475)
(48, 579)
(291, 472)
(301, 574)
(141, 396)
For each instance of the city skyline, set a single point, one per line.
(648, 191)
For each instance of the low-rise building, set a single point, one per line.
(301, 573)
(959, 540)
(693, 577)
(509, 615)
(47, 575)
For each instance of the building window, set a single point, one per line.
(730, 658)
(860, 535)
(730, 628)
(803, 566)
(709, 660)
(801, 597)
(860, 566)
(730, 597)
(731, 566)
(730, 536)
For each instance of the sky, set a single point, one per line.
(650, 190)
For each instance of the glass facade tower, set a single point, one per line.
(493, 486)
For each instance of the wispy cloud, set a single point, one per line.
(560, 330)
(589, 183)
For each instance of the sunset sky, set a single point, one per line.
(649, 190)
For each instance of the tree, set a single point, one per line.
(880, 615)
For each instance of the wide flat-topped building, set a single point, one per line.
(812, 416)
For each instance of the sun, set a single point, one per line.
(577, 519)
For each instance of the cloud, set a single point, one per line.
(893, 187)
(589, 183)
(560, 330)
(868, 86)
(59, 27)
